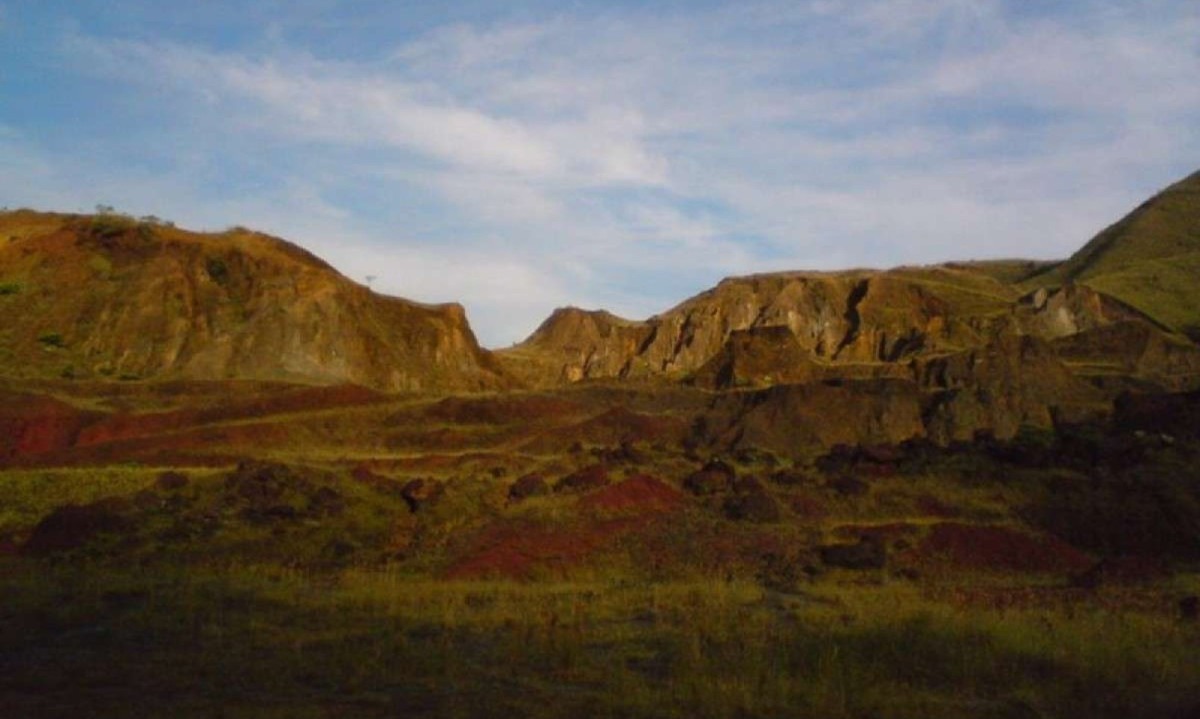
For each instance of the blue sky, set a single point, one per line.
(520, 156)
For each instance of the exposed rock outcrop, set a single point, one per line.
(758, 357)
(111, 297)
(1133, 348)
(1013, 381)
(847, 318)
(1065, 311)
(796, 419)
(809, 326)
(575, 344)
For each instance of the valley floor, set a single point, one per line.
(309, 552)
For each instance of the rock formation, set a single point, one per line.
(110, 297)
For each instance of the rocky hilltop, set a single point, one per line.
(107, 296)
(1140, 273)
(788, 327)
(944, 351)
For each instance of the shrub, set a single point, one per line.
(217, 270)
(110, 225)
(9, 288)
(155, 221)
(145, 231)
(51, 339)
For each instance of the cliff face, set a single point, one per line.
(575, 344)
(109, 297)
(1013, 381)
(795, 419)
(1143, 269)
(792, 327)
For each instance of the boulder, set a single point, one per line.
(753, 505)
(591, 477)
(867, 553)
(418, 493)
(529, 485)
(75, 525)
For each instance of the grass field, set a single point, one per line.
(248, 641)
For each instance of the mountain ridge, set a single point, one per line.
(157, 302)
(849, 317)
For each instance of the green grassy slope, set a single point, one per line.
(1149, 259)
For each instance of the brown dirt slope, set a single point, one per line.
(108, 296)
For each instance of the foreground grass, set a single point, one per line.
(263, 642)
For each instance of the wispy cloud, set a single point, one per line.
(581, 156)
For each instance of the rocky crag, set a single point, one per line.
(967, 347)
(110, 297)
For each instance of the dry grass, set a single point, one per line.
(262, 641)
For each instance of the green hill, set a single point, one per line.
(1150, 259)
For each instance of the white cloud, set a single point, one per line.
(332, 102)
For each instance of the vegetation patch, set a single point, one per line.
(217, 269)
(378, 644)
(52, 339)
(109, 225)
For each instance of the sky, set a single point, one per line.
(521, 156)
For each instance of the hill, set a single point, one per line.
(107, 296)
(1149, 259)
(838, 317)
(1141, 273)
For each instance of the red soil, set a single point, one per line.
(521, 551)
(518, 552)
(33, 425)
(124, 426)
(640, 493)
(1000, 549)
(201, 446)
(499, 410)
